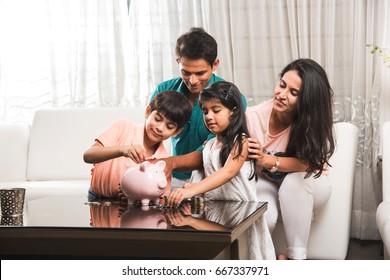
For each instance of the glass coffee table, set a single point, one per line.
(70, 227)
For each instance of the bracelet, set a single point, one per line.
(275, 167)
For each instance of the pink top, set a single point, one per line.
(106, 176)
(258, 118)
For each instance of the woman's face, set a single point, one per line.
(287, 92)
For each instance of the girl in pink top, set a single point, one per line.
(292, 141)
(126, 143)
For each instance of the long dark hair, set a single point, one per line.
(311, 136)
(229, 96)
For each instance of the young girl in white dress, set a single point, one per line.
(228, 172)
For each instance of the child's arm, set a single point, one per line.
(99, 153)
(221, 176)
(177, 219)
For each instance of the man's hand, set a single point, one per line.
(168, 166)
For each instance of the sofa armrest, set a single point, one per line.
(386, 161)
(14, 139)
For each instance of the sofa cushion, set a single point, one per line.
(59, 138)
(13, 151)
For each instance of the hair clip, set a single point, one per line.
(228, 93)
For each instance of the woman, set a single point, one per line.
(292, 141)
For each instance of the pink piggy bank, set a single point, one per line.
(144, 182)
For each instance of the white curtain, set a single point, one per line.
(257, 38)
(155, 26)
(58, 53)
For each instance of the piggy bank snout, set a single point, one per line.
(162, 183)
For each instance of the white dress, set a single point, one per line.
(239, 188)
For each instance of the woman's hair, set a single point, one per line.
(230, 97)
(311, 136)
(172, 105)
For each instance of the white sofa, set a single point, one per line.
(330, 232)
(383, 211)
(47, 159)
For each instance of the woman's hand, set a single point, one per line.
(255, 151)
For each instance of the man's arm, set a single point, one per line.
(183, 163)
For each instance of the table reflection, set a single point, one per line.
(194, 214)
(69, 226)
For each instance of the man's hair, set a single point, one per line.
(172, 105)
(197, 44)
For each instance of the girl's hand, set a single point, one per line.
(136, 152)
(180, 194)
(185, 209)
(177, 219)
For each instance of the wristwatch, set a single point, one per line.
(275, 167)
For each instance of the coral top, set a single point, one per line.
(106, 176)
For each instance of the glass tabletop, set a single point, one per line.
(75, 211)
(72, 227)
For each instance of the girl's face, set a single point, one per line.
(157, 127)
(216, 116)
(287, 93)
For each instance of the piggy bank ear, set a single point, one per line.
(161, 164)
(143, 166)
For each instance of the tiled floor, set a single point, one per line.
(365, 250)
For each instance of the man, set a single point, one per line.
(196, 55)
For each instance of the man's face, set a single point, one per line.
(196, 73)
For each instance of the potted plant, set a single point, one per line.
(383, 53)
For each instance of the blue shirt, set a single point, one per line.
(194, 132)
